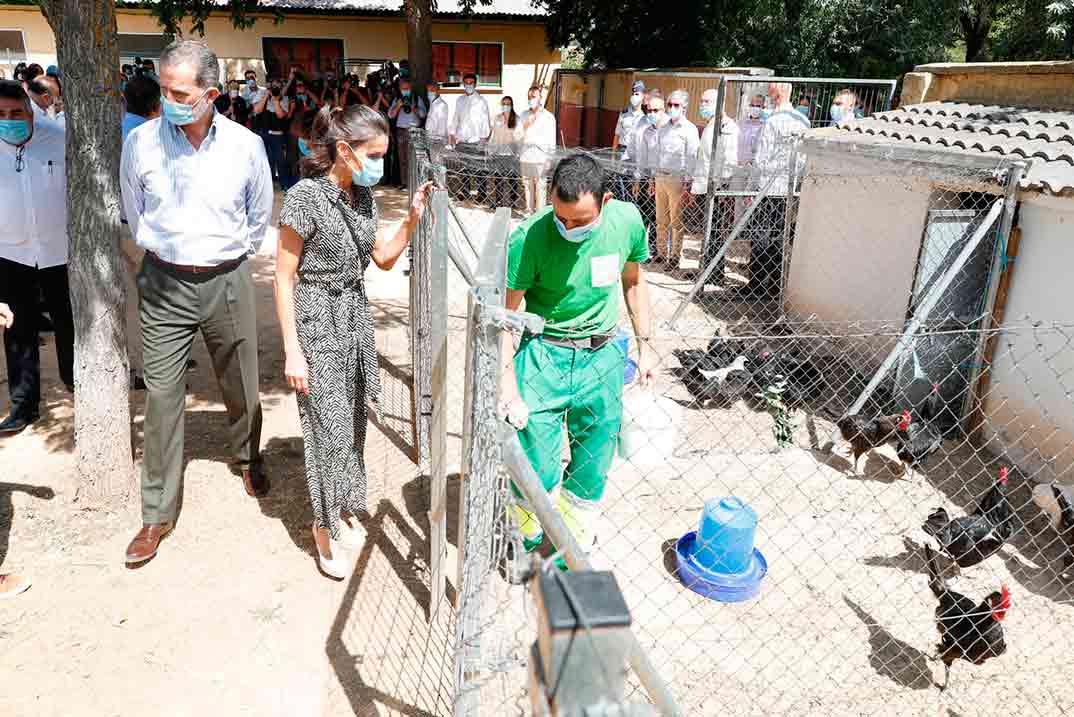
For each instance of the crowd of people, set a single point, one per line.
(200, 161)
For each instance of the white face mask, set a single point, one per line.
(635, 100)
(535, 102)
(468, 89)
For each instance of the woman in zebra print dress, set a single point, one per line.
(328, 236)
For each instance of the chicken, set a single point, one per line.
(968, 631)
(708, 381)
(864, 434)
(973, 538)
(1066, 526)
(920, 439)
(804, 379)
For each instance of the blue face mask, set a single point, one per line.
(405, 93)
(303, 148)
(675, 113)
(177, 113)
(14, 131)
(468, 89)
(838, 113)
(707, 112)
(372, 171)
(300, 98)
(433, 96)
(578, 234)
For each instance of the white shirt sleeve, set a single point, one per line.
(692, 146)
(704, 160)
(486, 118)
(130, 186)
(456, 121)
(259, 197)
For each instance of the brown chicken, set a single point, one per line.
(864, 434)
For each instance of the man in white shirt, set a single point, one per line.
(198, 193)
(775, 166)
(437, 122)
(671, 158)
(721, 169)
(407, 111)
(750, 130)
(33, 250)
(45, 93)
(643, 140)
(470, 129)
(538, 146)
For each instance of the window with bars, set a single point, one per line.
(453, 60)
(12, 47)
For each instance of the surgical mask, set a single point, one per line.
(754, 112)
(303, 148)
(578, 234)
(707, 112)
(14, 131)
(468, 89)
(655, 118)
(505, 108)
(433, 96)
(179, 114)
(234, 93)
(252, 84)
(372, 171)
(301, 98)
(838, 113)
(635, 100)
(405, 93)
(535, 102)
(803, 110)
(674, 112)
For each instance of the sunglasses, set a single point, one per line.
(669, 105)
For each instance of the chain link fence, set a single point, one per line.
(803, 299)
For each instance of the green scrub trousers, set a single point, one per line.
(582, 390)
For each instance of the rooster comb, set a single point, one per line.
(1003, 471)
(1004, 598)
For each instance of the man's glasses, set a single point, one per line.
(670, 105)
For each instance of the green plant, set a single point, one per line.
(782, 427)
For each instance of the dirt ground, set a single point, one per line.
(233, 618)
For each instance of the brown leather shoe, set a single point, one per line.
(144, 545)
(255, 481)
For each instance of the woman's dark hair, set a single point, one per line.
(512, 118)
(356, 125)
(12, 90)
(578, 175)
(32, 70)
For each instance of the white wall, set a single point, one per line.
(856, 245)
(1029, 406)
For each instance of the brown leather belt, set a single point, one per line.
(191, 269)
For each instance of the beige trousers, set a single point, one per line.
(668, 215)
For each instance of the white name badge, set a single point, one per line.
(605, 270)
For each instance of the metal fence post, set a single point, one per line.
(439, 399)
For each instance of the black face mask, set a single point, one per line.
(276, 91)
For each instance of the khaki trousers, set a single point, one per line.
(668, 216)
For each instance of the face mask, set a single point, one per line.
(432, 95)
(655, 118)
(372, 171)
(535, 102)
(405, 93)
(252, 84)
(505, 108)
(234, 93)
(753, 112)
(804, 110)
(301, 98)
(468, 89)
(707, 112)
(179, 114)
(838, 114)
(578, 234)
(635, 100)
(675, 113)
(303, 148)
(14, 131)
(403, 72)
(276, 91)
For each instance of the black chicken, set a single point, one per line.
(864, 434)
(1066, 526)
(921, 438)
(804, 379)
(972, 538)
(708, 379)
(968, 631)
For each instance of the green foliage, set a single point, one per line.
(782, 427)
(172, 14)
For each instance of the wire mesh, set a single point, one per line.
(844, 279)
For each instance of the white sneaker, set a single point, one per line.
(351, 533)
(337, 566)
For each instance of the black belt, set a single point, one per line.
(594, 342)
(191, 269)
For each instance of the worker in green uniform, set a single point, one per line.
(568, 263)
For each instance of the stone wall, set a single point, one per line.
(1045, 85)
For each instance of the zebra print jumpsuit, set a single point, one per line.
(335, 333)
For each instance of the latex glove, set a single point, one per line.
(515, 411)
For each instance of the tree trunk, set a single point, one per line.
(88, 54)
(976, 23)
(419, 42)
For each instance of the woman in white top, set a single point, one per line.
(503, 141)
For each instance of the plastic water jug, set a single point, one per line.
(650, 428)
(725, 536)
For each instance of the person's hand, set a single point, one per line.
(646, 367)
(421, 198)
(297, 372)
(514, 410)
(7, 319)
